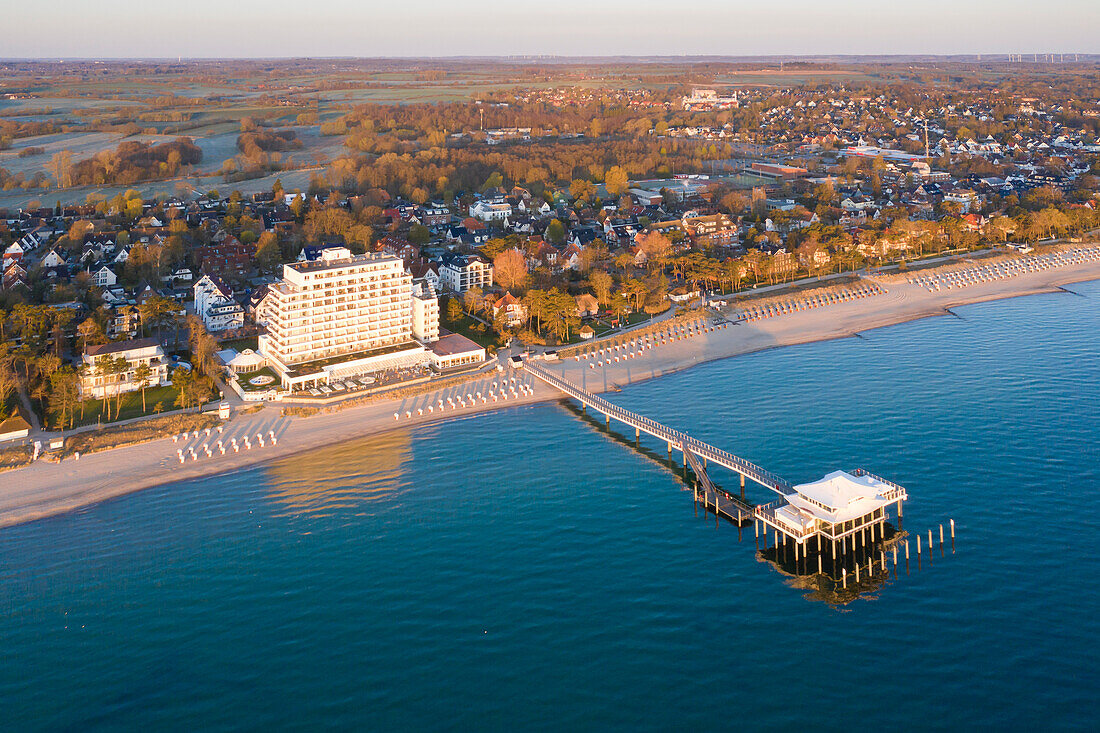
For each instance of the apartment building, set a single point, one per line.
(343, 315)
(99, 380)
(215, 305)
(458, 273)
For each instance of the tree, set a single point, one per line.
(535, 302)
(61, 165)
(268, 252)
(510, 269)
(473, 300)
(601, 286)
(555, 231)
(453, 310)
(616, 182)
(107, 370)
(582, 190)
(735, 202)
(419, 234)
(90, 333)
(636, 289)
(619, 305)
(143, 375)
(202, 345)
(656, 246)
(65, 394)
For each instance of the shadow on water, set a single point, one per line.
(683, 474)
(859, 572)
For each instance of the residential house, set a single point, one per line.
(215, 305)
(104, 277)
(514, 310)
(717, 230)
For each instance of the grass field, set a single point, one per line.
(129, 407)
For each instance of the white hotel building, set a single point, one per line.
(342, 316)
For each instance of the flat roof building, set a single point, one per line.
(343, 315)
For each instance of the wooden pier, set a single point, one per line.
(840, 512)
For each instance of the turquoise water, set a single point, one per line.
(523, 570)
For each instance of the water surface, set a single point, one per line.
(523, 570)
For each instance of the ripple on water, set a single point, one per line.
(524, 570)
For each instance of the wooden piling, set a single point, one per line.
(844, 576)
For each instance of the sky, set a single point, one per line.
(418, 28)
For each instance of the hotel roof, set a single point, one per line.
(330, 264)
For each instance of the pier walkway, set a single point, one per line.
(692, 449)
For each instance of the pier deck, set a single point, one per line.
(675, 439)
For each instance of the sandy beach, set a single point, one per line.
(47, 488)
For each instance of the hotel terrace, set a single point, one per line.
(343, 316)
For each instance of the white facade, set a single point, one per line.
(104, 277)
(425, 314)
(214, 304)
(488, 211)
(338, 306)
(94, 383)
(462, 272)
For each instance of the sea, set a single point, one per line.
(529, 570)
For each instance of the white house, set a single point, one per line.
(458, 273)
(52, 259)
(215, 305)
(104, 277)
(490, 211)
(94, 383)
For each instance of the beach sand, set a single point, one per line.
(48, 488)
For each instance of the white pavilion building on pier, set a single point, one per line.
(835, 508)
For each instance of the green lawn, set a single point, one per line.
(238, 345)
(130, 406)
(466, 325)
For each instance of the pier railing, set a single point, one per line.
(674, 438)
(896, 491)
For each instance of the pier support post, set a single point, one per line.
(819, 563)
(907, 551)
(637, 434)
(844, 576)
(743, 494)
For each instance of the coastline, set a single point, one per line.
(45, 489)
